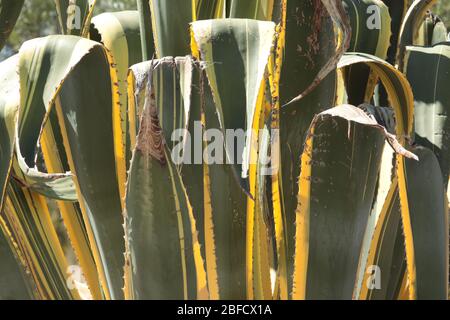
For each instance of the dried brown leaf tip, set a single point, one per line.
(150, 138)
(358, 115)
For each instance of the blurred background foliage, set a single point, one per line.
(38, 18)
(443, 10)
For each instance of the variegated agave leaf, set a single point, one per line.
(61, 62)
(425, 71)
(119, 32)
(371, 33)
(332, 228)
(164, 229)
(300, 64)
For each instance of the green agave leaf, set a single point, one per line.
(169, 31)
(425, 32)
(99, 182)
(404, 127)
(252, 9)
(55, 186)
(40, 84)
(119, 32)
(172, 83)
(371, 32)
(181, 95)
(371, 238)
(231, 50)
(397, 87)
(397, 273)
(173, 87)
(145, 26)
(370, 27)
(55, 160)
(264, 231)
(163, 229)
(170, 25)
(59, 186)
(209, 9)
(301, 62)
(439, 33)
(192, 171)
(9, 108)
(9, 13)
(225, 233)
(429, 221)
(337, 188)
(235, 53)
(75, 16)
(397, 11)
(425, 70)
(383, 187)
(13, 281)
(36, 98)
(411, 26)
(58, 75)
(341, 23)
(9, 104)
(28, 218)
(385, 265)
(431, 32)
(32, 204)
(402, 101)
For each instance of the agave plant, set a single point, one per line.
(336, 191)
